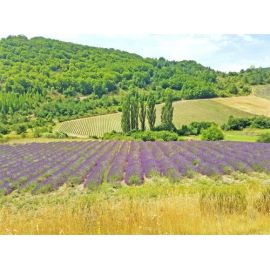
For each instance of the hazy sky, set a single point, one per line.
(151, 28)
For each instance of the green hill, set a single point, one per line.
(184, 112)
(44, 80)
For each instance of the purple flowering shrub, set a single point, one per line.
(42, 167)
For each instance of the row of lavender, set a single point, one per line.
(34, 166)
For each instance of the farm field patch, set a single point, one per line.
(262, 91)
(249, 104)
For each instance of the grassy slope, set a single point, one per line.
(157, 207)
(251, 104)
(184, 113)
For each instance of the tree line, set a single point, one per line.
(136, 109)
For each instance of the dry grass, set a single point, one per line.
(251, 104)
(196, 207)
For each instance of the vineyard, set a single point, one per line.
(43, 167)
(185, 112)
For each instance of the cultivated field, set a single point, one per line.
(249, 104)
(45, 167)
(262, 91)
(184, 112)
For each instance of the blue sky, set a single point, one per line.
(221, 52)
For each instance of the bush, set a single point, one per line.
(241, 123)
(195, 128)
(143, 136)
(55, 135)
(213, 133)
(260, 122)
(165, 127)
(4, 129)
(20, 129)
(167, 136)
(147, 136)
(155, 135)
(237, 123)
(264, 138)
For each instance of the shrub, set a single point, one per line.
(165, 127)
(261, 122)
(195, 128)
(212, 134)
(4, 129)
(241, 123)
(237, 123)
(184, 130)
(167, 136)
(264, 138)
(55, 135)
(20, 129)
(147, 136)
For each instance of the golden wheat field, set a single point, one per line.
(234, 204)
(250, 104)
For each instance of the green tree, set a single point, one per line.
(134, 110)
(125, 118)
(151, 111)
(142, 113)
(167, 112)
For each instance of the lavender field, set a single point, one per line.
(46, 166)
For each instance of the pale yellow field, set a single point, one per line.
(251, 104)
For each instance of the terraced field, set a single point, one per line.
(184, 113)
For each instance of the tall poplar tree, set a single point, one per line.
(151, 111)
(142, 113)
(167, 112)
(125, 118)
(134, 110)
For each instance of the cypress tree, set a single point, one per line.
(125, 119)
(167, 112)
(151, 111)
(142, 113)
(134, 110)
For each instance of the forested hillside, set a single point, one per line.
(43, 79)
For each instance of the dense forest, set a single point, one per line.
(46, 80)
